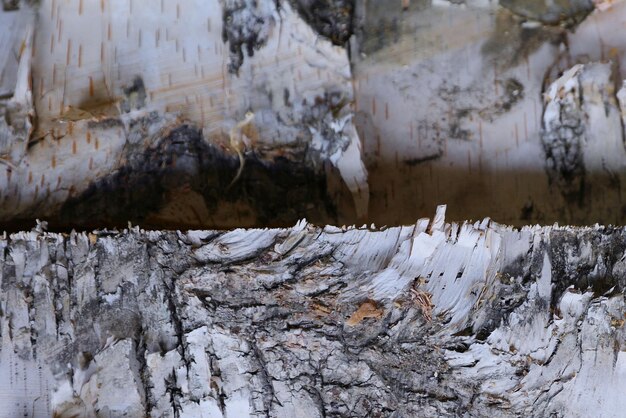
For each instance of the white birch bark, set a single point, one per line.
(142, 96)
(427, 103)
(431, 319)
(450, 103)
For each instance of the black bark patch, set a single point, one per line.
(331, 19)
(488, 106)
(511, 290)
(563, 141)
(10, 5)
(244, 28)
(412, 162)
(513, 93)
(589, 260)
(280, 191)
(512, 42)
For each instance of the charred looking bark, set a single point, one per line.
(181, 162)
(245, 28)
(109, 153)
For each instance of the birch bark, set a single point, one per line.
(365, 111)
(431, 319)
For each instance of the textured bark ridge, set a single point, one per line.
(431, 319)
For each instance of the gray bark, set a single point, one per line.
(432, 319)
(130, 120)
(450, 106)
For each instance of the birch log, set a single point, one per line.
(451, 100)
(121, 110)
(432, 319)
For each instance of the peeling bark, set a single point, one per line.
(432, 319)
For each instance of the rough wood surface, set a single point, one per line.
(432, 319)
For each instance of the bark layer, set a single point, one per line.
(432, 319)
